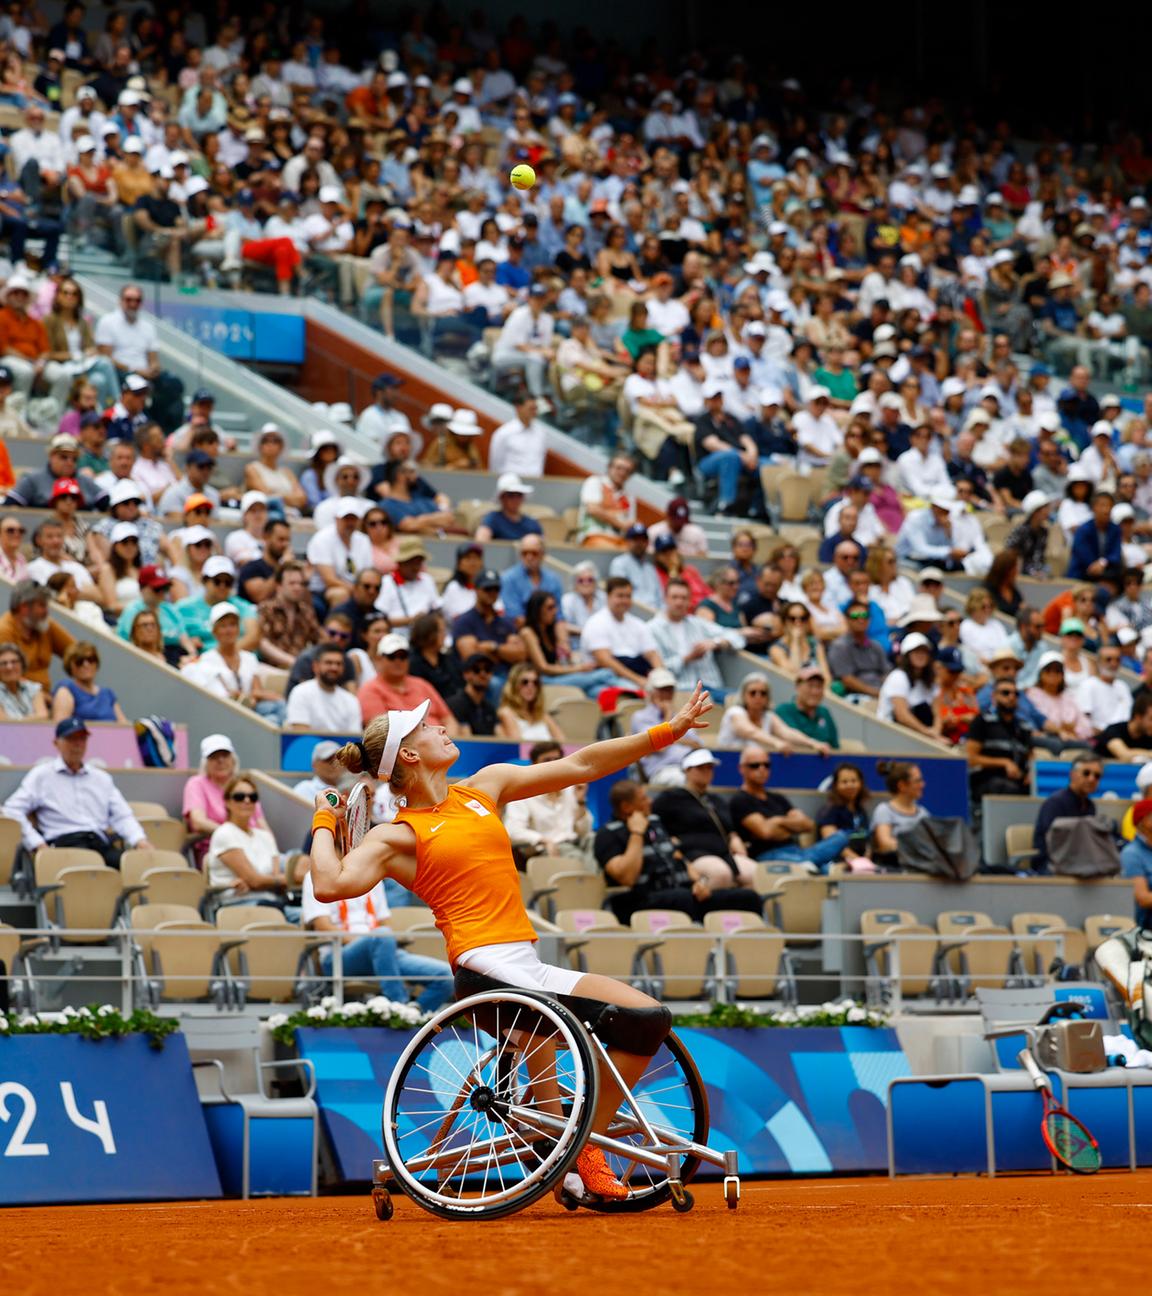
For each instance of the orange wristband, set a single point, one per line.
(324, 819)
(661, 736)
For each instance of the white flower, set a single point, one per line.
(856, 1014)
(106, 1010)
(276, 1020)
(355, 1009)
(28, 1019)
(84, 1012)
(329, 1002)
(408, 1012)
(70, 1012)
(3, 1022)
(318, 1012)
(787, 1017)
(53, 1018)
(380, 1005)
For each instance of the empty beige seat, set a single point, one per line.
(160, 877)
(9, 845)
(606, 949)
(1018, 839)
(181, 956)
(894, 937)
(678, 957)
(552, 883)
(1025, 927)
(14, 950)
(270, 963)
(149, 810)
(1100, 927)
(755, 963)
(797, 908)
(578, 920)
(578, 718)
(954, 926)
(76, 891)
(1066, 943)
(165, 833)
(725, 922)
(658, 921)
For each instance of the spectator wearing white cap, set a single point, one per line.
(662, 768)
(328, 234)
(1098, 459)
(817, 433)
(338, 551)
(231, 672)
(246, 543)
(526, 343)
(219, 587)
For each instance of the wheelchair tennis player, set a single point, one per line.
(447, 845)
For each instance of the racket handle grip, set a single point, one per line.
(1029, 1063)
(333, 798)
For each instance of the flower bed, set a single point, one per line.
(384, 1013)
(97, 1022)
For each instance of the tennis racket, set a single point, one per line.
(1070, 1142)
(357, 817)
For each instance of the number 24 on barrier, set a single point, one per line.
(18, 1146)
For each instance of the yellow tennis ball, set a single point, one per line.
(522, 177)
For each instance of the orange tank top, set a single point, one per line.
(465, 872)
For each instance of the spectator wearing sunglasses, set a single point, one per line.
(1071, 802)
(471, 705)
(336, 631)
(999, 747)
(243, 854)
(770, 823)
(395, 688)
(13, 564)
(219, 577)
(857, 661)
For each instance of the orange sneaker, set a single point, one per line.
(597, 1177)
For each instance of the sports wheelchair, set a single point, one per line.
(492, 1101)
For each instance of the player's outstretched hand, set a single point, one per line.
(691, 714)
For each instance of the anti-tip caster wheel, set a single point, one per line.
(682, 1201)
(382, 1203)
(731, 1191)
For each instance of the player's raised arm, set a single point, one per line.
(355, 874)
(515, 782)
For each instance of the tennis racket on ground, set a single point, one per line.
(1070, 1142)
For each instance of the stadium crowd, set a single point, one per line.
(885, 328)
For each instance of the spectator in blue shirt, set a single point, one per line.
(1136, 862)
(1096, 545)
(482, 629)
(1078, 408)
(513, 273)
(519, 583)
(1005, 664)
(509, 521)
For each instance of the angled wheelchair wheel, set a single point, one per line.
(489, 1105)
(673, 1099)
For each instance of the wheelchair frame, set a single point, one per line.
(518, 1129)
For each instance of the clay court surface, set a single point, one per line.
(826, 1236)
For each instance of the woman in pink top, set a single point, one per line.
(1057, 703)
(204, 806)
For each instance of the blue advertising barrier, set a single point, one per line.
(800, 1100)
(273, 337)
(100, 1120)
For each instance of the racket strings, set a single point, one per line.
(1071, 1142)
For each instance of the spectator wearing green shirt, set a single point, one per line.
(219, 577)
(638, 336)
(840, 382)
(155, 587)
(808, 712)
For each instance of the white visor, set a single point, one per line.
(400, 725)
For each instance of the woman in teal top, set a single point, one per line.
(638, 336)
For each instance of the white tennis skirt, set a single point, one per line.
(516, 963)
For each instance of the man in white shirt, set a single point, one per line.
(409, 591)
(606, 508)
(617, 640)
(485, 294)
(84, 112)
(817, 433)
(380, 419)
(74, 803)
(1104, 698)
(128, 336)
(370, 949)
(322, 703)
(525, 341)
(329, 234)
(922, 471)
(521, 444)
(312, 158)
(37, 154)
(666, 314)
(868, 527)
(688, 645)
(338, 552)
